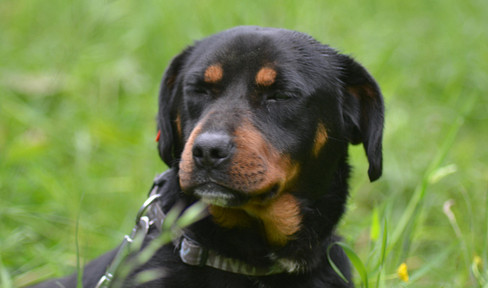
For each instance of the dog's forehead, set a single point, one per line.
(246, 50)
(245, 43)
(265, 55)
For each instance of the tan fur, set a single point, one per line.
(213, 73)
(266, 76)
(186, 163)
(231, 217)
(178, 125)
(258, 166)
(320, 139)
(281, 218)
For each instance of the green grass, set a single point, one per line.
(78, 86)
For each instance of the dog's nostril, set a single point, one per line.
(219, 153)
(197, 152)
(211, 149)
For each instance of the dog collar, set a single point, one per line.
(190, 252)
(194, 254)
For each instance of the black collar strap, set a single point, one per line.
(193, 254)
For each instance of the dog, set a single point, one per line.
(256, 123)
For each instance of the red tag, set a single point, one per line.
(158, 136)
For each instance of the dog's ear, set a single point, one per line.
(363, 113)
(169, 142)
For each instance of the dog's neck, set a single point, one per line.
(249, 242)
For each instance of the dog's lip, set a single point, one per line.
(218, 195)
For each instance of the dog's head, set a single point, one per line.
(248, 114)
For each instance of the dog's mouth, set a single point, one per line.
(218, 195)
(215, 194)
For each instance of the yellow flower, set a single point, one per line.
(477, 261)
(402, 272)
(477, 266)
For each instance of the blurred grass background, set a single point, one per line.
(78, 95)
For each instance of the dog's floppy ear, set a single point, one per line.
(363, 113)
(169, 141)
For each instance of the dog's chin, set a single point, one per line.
(214, 194)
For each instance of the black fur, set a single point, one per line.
(314, 87)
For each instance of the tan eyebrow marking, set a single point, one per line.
(213, 74)
(266, 76)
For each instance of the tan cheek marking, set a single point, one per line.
(266, 76)
(320, 139)
(259, 166)
(229, 217)
(186, 163)
(213, 74)
(281, 219)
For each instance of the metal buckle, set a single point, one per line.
(149, 201)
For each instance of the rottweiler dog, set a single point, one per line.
(256, 122)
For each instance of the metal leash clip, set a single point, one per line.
(143, 223)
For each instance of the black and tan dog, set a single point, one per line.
(256, 123)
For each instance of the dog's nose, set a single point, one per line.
(211, 149)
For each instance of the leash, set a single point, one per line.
(190, 251)
(140, 230)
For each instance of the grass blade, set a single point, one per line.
(79, 266)
(332, 264)
(4, 276)
(191, 215)
(384, 242)
(375, 225)
(355, 260)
